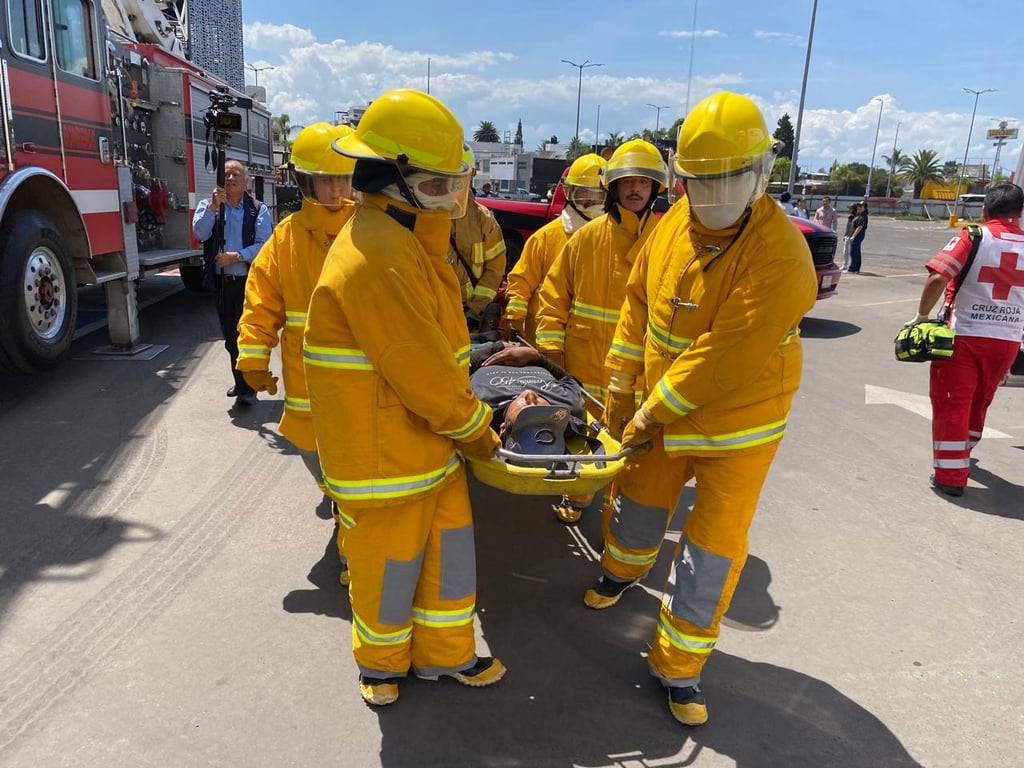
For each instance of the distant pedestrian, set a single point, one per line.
(826, 214)
(988, 316)
(858, 225)
(785, 205)
(800, 208)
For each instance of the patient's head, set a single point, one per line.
(533, 426)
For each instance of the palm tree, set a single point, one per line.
(896, 160)
(283, 129)
(894, 163)
(576, 149)
(615, 139)
(486, 132)
(923, 167)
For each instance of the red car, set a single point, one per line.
(518, 220)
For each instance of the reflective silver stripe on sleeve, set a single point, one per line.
(336, 357)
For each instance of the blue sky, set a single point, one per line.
(501, 62)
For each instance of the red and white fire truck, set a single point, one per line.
(103, 158)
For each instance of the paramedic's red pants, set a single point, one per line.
(961, 389)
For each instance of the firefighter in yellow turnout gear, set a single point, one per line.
(387, 363)
(582, 293)
(477, 251)
(710, 322)
(584, 201)
(282, 279)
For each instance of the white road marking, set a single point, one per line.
(919, 404)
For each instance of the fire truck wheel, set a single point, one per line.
(38, 298)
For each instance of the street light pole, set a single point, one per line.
(871, 168)
(794, 156)
(657, 120)
(892, 162)
(256, 73)
(579, 88)
(963, 168)
(693, 43)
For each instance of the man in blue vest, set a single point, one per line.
(246, 226)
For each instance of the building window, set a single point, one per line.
(25, 20)
(73, 38)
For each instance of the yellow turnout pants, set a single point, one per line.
(413, 590)
(709, 556)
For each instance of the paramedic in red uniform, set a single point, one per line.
(988, 318)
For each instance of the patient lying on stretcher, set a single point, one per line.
(538, 408)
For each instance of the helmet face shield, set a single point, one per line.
(636, 158)
(329, 190)
(439, 191)
(584, 197)
(720, 189)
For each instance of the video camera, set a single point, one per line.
(219, 116)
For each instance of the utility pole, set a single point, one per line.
(892, 162)
(657, 119)
(800, 112)
(963, 167)
(579, 89)
(867, 187)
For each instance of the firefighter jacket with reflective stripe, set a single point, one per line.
(277, 293)
(525, 278)
(711, 322)
(581, 297)
(386, 355)
(478, 239)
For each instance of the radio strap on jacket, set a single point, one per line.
(973, 232)
(473, 279)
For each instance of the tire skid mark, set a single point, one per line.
(89, 514)
(58, 663)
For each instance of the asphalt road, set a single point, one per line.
(168, 595)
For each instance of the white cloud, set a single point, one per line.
(276, 38)
(692, 33)
(312, 80)
(783, 37)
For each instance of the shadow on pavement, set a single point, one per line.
(329, 598)
(578, 692)
(823, 328)
(69, 433)
(997, 497)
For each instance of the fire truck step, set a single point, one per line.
(149, 259)
(106, 277)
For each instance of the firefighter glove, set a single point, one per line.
(619, 408)
(261, 381)
(482, 448)
(639, 432)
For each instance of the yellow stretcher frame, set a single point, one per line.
(573, 474)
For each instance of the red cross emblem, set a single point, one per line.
(1004, 277)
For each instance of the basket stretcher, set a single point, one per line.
(546, 475)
